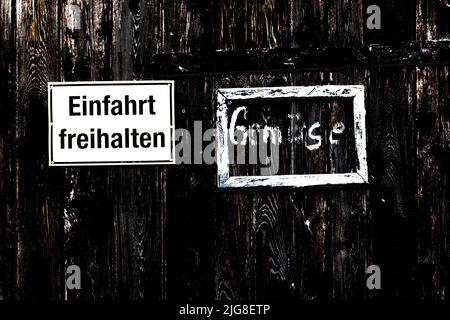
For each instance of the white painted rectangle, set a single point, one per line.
(225, 96)
(148, 122)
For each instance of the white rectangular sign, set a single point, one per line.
(111, 123)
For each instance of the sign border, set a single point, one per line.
(51, 85)
(224, 96)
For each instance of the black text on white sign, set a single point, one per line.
(111, 123)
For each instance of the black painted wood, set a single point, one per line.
(167, 232)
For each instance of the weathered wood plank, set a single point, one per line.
(233, 274)
(336, 224)
(316, 23)
(433, 173)
(189, 26)
(312, 245)
(332, 245)
(139, 201)
(191, 196)
(7, 163)
(391, 146)
(300, 60)
(251, 24)
(85, 30)
(139, 195)
(38, 263)
(270, 230)
(432, 20)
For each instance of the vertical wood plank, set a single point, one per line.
(392, 143)
(251, 24)
(191, 196)
(189, 26)
(433, 174)
(7, 163)
(333, 226)
(234, 259)
(139, 194)
(316, 23)
(432, 20)
(86, 34)
(38, 200)
(270, 229)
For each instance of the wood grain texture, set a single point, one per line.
(392, 144)
(251, 24)
(191, 200)
(38, 263)
(432, 20)
(433, 173)
(140, 229)
(7, 163)
(88, 211)
(167, 232)
(293, 60)
(317, 23)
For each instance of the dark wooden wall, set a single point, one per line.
(166, 232)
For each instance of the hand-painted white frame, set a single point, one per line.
(301, 180)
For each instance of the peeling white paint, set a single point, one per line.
(72, 13)
(267, 131)
(308, 223)
(313, 136)
(296, 116)
(274, 133)
(338, 128)
(355, 92)
(233, 123)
